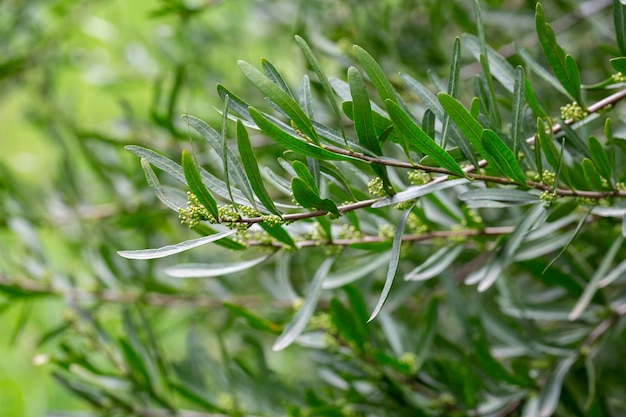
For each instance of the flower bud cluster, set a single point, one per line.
(194, 213)
(375, 187)
(573, 112)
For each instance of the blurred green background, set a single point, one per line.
(81, 79)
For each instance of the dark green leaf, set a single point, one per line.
(599, 158)
(280, 98)
(376, 75)
(363, 119)
(417, 137)
(463, 119)
(279, 233)
(591, 175)
(619, 19)
(564, 68)
(500, 156)
(251, 167)
(303, 172)
(308, 198)
(234, 171)
(255, 321)
(293, 142)
(197, 187)
(540, 71)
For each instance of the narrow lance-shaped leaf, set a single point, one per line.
(469, 126)
(212, 270)
(280, 98)
(292, 142)
(435, 264)
(412, 193)
(155, 185)
(363, 119)
(197, 187)
(619, 18)
(483, 58)
(297, 325)
(591, 175)
(303, 172)
(417, 137)
(173, 249)
(279, 233)
(499, 155)
(307, 197)
(328, 89)
(251, 166)
(273, 74)
(518, 109)
(619, 64)
(235, 171)
(376, 74)
(538, 69)
(551, 392)
(600, 158)
(598, 274)
(225, 153)
(393, 263)
(564, 68)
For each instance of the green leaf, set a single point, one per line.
(279, 233)
(173, 249)
(328, 89)
(540, 71)
(564, 68)
(619, 64)
(297, 325)
(292, 142)
(347, 324)
(435, 264)
(165, 164)
(280, 98)
(551, 392)
(619, 19)
(253, 320)
(273, 74)
(197, 187)
(428, 123)
(217, 269)
(463, 119)
(348, 275)
(308, 198)
(155, 185)
(591, 175)
(234, 171)
(517, 127)
(455, 68)
(501, 197)
(393, 262)
(303, 172)
(552, 154)
(598, 274)
(500, 156)
(363, 119)
(412, 193)
(417, 137)
(235, 103)
(504, 72)
(226, 151)
(251, 167)
(375, 74)
(306, 99)
(600, 158)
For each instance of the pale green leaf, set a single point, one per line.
(204, 270)
(297, 325)
(173, 249)
(394, 258)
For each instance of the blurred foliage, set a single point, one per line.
(86, 330)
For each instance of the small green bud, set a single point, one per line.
(417, 177)
(573, 112)
(375, 187)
